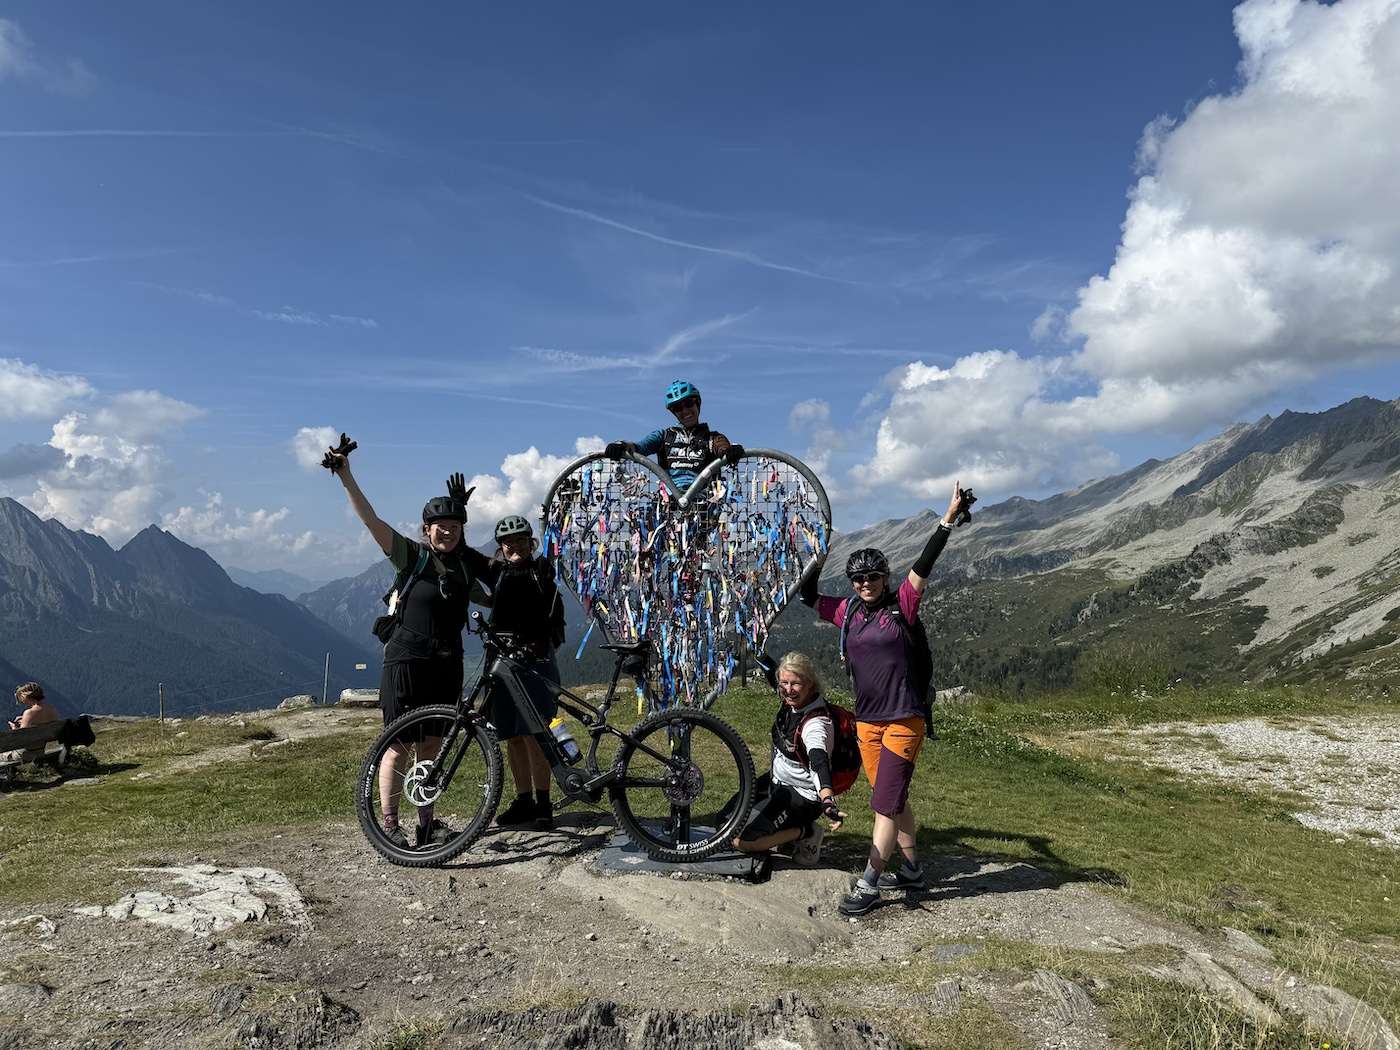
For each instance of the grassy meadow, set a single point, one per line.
(1000, 782)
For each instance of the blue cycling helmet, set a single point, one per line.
(679, 390)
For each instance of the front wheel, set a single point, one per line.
(685, 785)
(435, 775)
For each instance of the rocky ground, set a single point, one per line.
(1345, 774)
(309, 939)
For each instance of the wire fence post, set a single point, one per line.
(326, 680)
(160, 701)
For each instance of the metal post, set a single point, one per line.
(326, 681)
(160, 690)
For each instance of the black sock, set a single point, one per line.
(542, 798)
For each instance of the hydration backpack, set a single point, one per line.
(845, 748)
(916, 647)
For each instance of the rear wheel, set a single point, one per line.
(686, 785)
(438, 770)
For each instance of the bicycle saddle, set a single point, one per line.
(629, 648)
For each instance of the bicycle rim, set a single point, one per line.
(694, 802)
(442, 807)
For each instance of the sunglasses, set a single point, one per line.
(681, 406)
(866, 577)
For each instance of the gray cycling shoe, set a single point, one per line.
(899, 880)
(396, 837)
(860, 900)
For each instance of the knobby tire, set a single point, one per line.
(480, 738)
(630, 805)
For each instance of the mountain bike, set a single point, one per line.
(680, 781)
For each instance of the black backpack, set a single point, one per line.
(384, 625)
(916, 646)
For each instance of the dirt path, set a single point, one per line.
(306, 939)
(525, 923)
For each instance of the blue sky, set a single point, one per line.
(466, 233)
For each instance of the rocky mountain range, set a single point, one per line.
(102, 628)
(1270, 552)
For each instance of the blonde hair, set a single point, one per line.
(801, 665)
(30, 691)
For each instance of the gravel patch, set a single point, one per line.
(1348, 769)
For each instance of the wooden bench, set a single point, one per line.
(65, 733)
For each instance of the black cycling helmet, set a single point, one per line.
(513, 525)
(444, 508)
(866, 560)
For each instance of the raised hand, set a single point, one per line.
(338, 456)
(457, 488)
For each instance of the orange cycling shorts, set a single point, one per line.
(888, 751)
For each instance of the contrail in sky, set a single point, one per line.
(731, 253)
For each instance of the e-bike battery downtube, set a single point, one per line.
(504, 672)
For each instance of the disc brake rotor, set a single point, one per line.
(684, 786)
(416, 786)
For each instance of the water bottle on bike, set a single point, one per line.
(565, 740)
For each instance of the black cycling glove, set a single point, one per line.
(965, 514)
(733, 454)
(457, 489)
(334, 457)
(617, 449)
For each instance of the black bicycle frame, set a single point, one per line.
(505, 669)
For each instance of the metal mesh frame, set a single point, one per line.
(703, 575)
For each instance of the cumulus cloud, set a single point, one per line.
(139, 415)
(1262, 241)
(982, 421)
(20, 60)
(106, 484)
(30, 392)
(1261, 245)
(310, 444)
(521, 485)
(23, 460)
(236, 536)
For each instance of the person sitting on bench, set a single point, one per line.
(37, 711)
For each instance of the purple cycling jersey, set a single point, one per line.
(877, 655)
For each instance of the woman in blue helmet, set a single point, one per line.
(687, 448)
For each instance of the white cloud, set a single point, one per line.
(29, 392)
(310, 443)
(1262, 242)
(1261, 246)
(981, 421)
(290, 315)
(256, 538)
(813, 419)
(106, 484)
(21, 61)
(139, 415)
(521, 485)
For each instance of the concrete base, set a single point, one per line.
(620, 856)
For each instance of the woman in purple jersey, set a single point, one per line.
(881, 641)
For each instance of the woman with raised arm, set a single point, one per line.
(422, 634)
(886, 653)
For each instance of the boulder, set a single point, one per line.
(293, 703)
(359, 698)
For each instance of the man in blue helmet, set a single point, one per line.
(687, 448)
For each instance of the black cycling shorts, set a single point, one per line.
(777, 807)
(406, 684)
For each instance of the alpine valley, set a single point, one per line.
(1268, 553)
(103, 628)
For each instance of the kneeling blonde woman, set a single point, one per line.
(796, 790)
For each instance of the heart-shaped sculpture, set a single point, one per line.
(702, 574)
